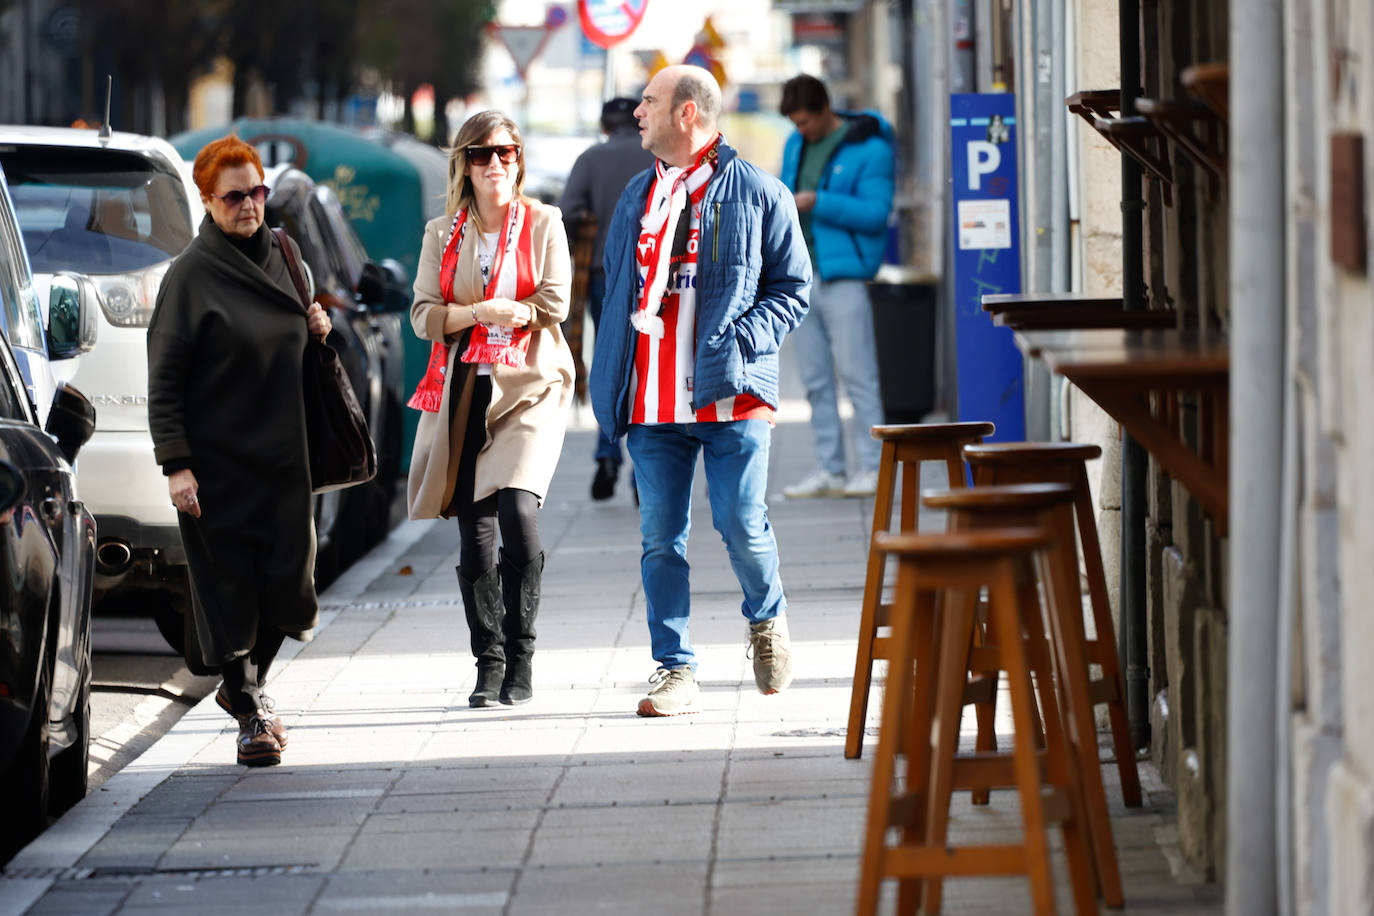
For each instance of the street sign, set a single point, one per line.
(609, 22)
(524, 42)
(987, 258)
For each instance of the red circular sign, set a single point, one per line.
(609, 22)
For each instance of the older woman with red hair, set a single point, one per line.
(227, 415)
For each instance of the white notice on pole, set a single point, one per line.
(984, 224)
(524, 42)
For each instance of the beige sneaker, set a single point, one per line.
(819, 485)
(771, 650)
(673, 693)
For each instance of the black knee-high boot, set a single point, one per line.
(520, 589)
(482, 606)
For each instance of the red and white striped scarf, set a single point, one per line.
(667, 200)
(511, 277)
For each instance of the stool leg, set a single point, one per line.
(916, 740)
(1002, 599)
(956, 631)
(1061, 769)
(1060, 575)
(895, 700)
(1106, 654)
(985, 711)
(868, 615)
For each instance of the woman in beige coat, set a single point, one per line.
(491, 288)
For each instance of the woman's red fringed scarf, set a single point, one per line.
(512, 278)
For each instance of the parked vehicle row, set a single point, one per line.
(47, 551)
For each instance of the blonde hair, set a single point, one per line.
(474, 130)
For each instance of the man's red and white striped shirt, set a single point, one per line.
(662, 374)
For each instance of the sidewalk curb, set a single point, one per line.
(57, 850)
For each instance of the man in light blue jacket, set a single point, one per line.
(706, 272)
(839, 166)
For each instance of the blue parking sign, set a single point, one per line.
(987, 258)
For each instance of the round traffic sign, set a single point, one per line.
(609, 22)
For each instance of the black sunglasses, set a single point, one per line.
(481, 155)
(236, 198)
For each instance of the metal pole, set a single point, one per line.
(1132, 639)
(1257, 404)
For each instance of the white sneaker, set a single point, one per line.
(863, 483)
(820, 483)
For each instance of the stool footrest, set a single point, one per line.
(966, 860)
(1103, 691)
(980, 689)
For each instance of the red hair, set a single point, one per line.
(218, 155)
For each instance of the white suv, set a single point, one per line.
(114, 210)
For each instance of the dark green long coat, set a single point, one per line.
(224, 397)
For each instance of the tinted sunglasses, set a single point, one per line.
(236, 198)
(481, 155)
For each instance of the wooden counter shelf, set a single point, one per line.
(1194, 128)
(1210, 83)
(1133, 136)
(1137, 376)
(1070, 311)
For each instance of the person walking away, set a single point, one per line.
(491, 288)
(227, 415)
(838, 164)
(594, 185)
(706, 272)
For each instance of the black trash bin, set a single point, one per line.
(904, 328)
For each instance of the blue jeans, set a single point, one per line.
(837, 336)
(606, 447)
(736, 460)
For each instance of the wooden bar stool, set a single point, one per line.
(905, 446)
(920, 721)
(1049, 506)
(1063, 462)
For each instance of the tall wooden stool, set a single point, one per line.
(904, 448)
(1049, 506)
(920, 721)
(1063, 462)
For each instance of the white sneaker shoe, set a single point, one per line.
(863, 483)
(819, 484)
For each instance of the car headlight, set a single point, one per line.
(127, 299)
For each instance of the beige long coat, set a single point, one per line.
(526, 419)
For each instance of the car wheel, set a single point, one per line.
(26, 780)
(67, 771)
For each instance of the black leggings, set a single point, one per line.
(514, 512)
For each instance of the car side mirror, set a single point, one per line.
(11, 488)
(372, 286)
(397, 286)
(71, 318)
(71, 421)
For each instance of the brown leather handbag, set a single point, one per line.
(341, 450)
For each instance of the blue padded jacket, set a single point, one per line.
(849, 221)
(753, 279)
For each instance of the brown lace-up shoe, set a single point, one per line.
(268, 713)
(256, 745)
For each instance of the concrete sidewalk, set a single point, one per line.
(395, 797)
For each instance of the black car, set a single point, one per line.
(365, 302)
(47, 570)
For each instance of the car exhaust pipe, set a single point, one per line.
(113, 557)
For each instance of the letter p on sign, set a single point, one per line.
(984, 158)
